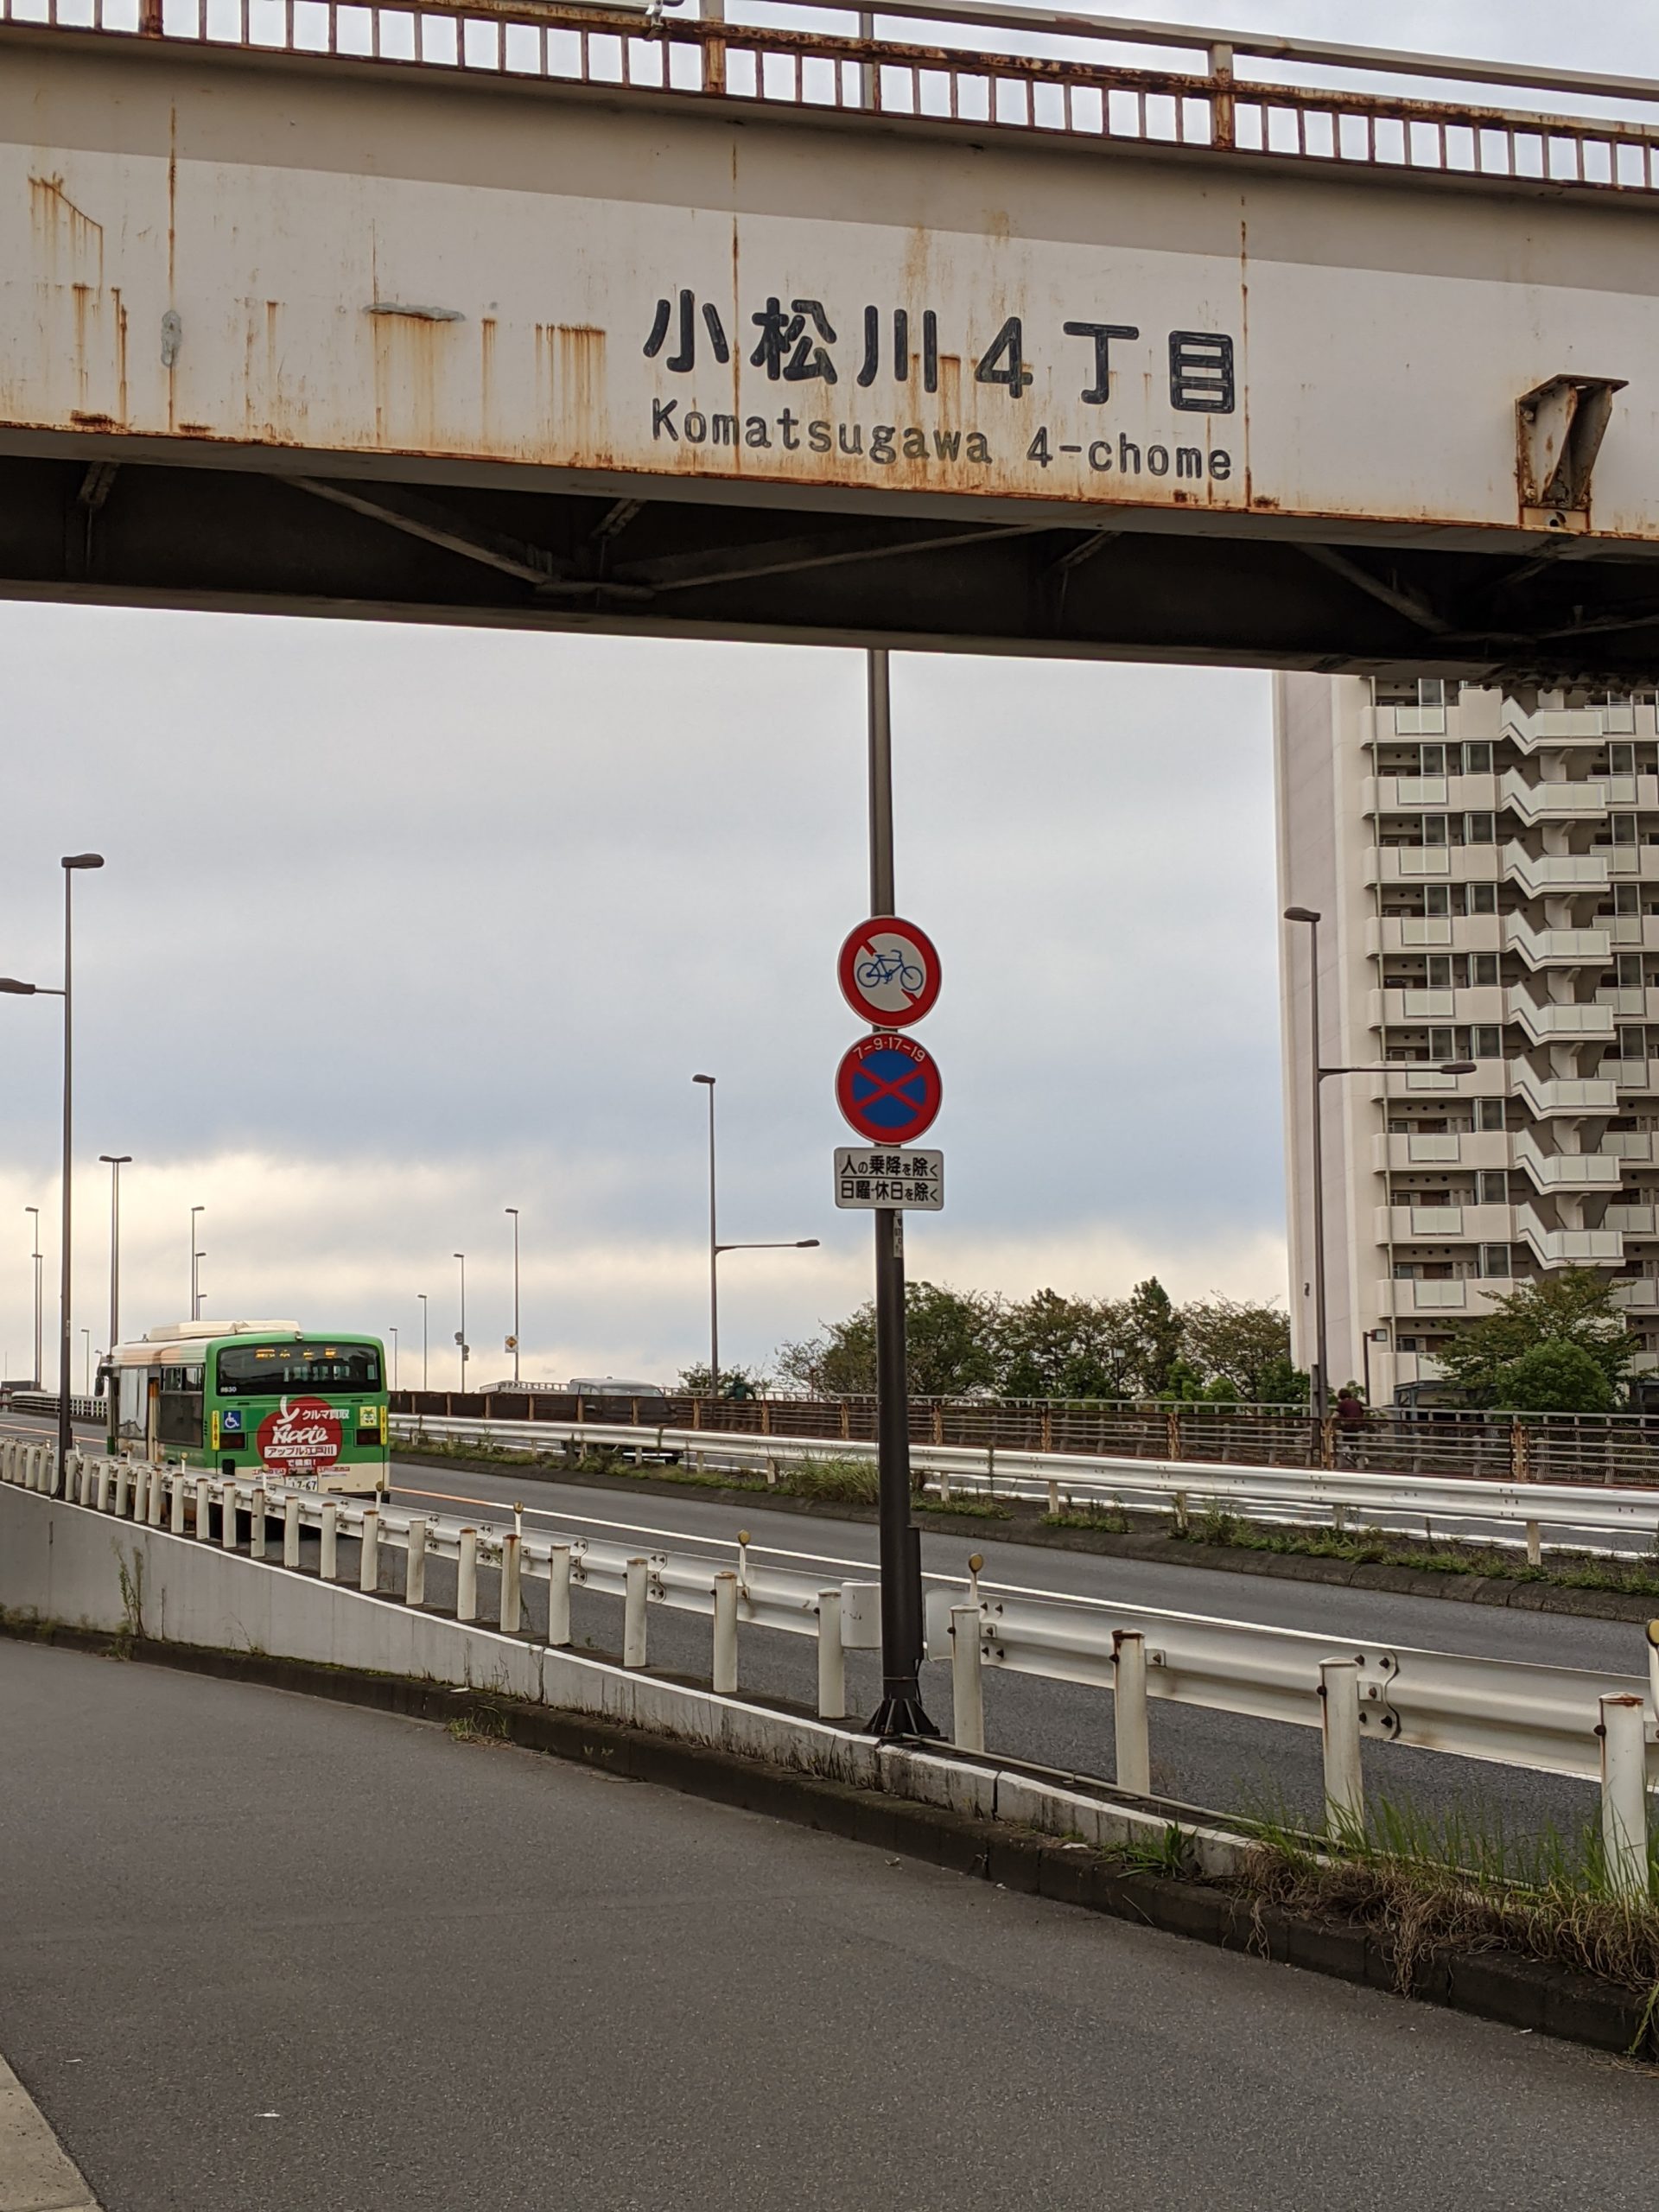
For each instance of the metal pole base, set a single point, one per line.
(900, 1716)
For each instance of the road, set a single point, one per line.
(259, 1953)
(1217, 1760)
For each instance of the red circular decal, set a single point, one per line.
(888, 1088)
(889, 972)
(301, 1436)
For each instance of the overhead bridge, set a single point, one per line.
(971, 326)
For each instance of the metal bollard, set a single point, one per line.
(101, 1487)
(122, 1500)
(328, 1565)
(512, 1561)
(1535, 1545)
(967, 1680)
(1344, 1784)
(177, 1519)
(415, 1564)
(227, 1516)
(725, 1678)
(159, 1480)
(1624, 1795)
(256, 1523)
(204, 1492)
(558, 1594)
(467, 1577)
(633, 1612)
(1130, 1722)
(291, 1532)
(368, 1558)
(136, 1503)
(832, 1658)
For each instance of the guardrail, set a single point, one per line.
(46, 1401)
(1556, 1719)
(1608, 1448)
(1518, 1513)
(978, 66)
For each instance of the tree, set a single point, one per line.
(951, 1342)
(734, 1382)
(1155, 1332)
(1573, 1307)
(1556, 1377)
(1054, 1347)
(1240, 1342)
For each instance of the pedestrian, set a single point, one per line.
(1351, 1417)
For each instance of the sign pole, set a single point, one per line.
(900, 1712)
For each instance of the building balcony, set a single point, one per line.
(1545, 1097)
(1406, 1149)
(1569, 1172)
(1389, 935)
(1570, 1248)
(1547, 727)
(1463, 1223)
(1632, 1220)
(1630, 1001)
(1627, 1075)
(1540, 874)
(1556, 948)
(1470, 1295)
(1385, 795)
(1641, 1292)
(1626, 1144)
(1552, 1022)
(1436, 864)
(1584, 801)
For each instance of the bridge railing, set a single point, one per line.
(984, 68)
(1561, 1720)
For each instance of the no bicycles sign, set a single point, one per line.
(889, 972)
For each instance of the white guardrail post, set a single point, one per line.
(558, 1595)
(227, 1516)
(204, 1493)
(179, 1485)
(633, 1612)
(368, 1557)
(967, 1680)
(832, 1660)
(512, 1548)
(415, 1563)
(725, 1659)
(329, 1568)
(1344, 1784)
(290, 1531)
(1624, 1795)
(256, 1523)
(466, 1576)
(1131, 1725)
(123, 1483)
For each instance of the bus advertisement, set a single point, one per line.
(295, 1407)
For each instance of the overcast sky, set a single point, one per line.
(401, 926)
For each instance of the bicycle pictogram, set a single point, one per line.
(892, 967)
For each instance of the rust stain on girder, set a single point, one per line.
(58, 222)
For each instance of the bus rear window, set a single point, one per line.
(273, 1370)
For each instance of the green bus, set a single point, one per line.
(267, 1398)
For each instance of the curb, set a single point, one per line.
(1148, 1547)
(1517, 1993)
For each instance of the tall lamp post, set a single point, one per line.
(461, 1333)
(715, 1248)
(195, 1278)
(73, 863)
(393, 1332)
(35, 1254)
(1319, 1075)
(420, 1294)
(513, 1210)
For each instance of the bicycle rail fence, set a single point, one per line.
(1514, 1513)
(1605, 1448)
(954, 65)
(1562, 1721)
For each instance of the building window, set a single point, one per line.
(1483, 898)
(1493, 1187)
(1489, 1113)
(1494, 1260)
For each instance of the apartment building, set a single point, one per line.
(1485, 867)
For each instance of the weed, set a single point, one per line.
(842, 1481)
(1428, 1885)
(1112, 1519)
(1164, 1853)
(975, 1508)
(481, 1725)
(1378, 1546)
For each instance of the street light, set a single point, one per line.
(72, 864)
(513, 1210)
(461, 1333)
(420, 1294)
(715, 1248)
(1318, 1074)
(115, 1161)
(87, 1364)
(394, 1354)
(36, 1256)
(195, 1295)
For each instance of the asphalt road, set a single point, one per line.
(259, 1953)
